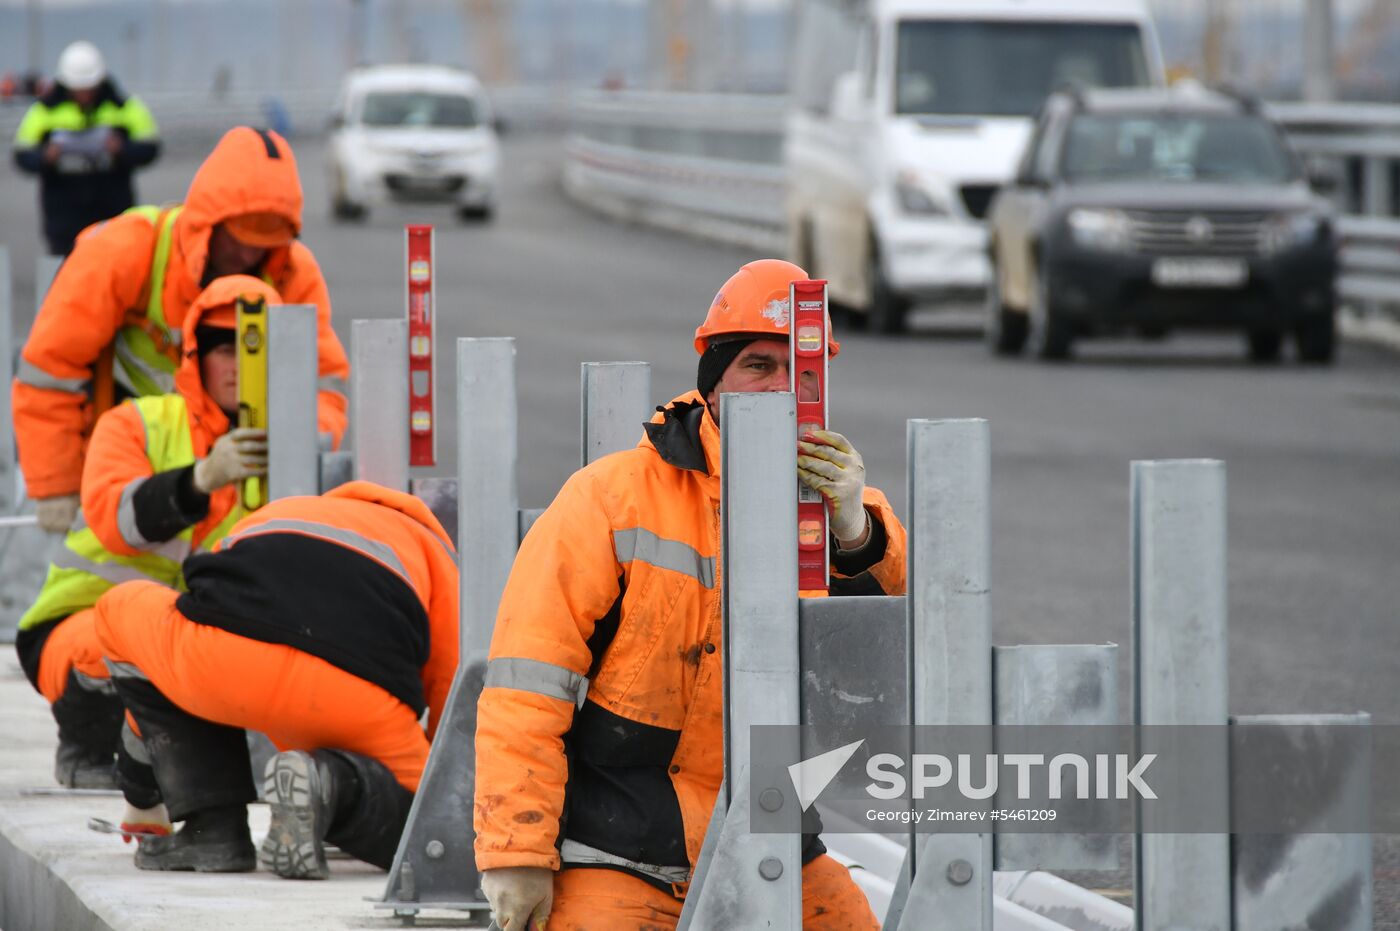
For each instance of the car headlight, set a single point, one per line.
(1098, 228)
(1285, 231)
(915, 198)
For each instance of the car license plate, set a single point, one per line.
(1200, 273)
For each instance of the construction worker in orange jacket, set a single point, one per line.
(599, 731)
(160, 483)
(109, 326)
(327, 623)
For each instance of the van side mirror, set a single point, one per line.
(845, 97)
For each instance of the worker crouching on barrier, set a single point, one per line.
(599, 738)
(159, 483)
(327, 623)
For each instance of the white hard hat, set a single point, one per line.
(81, 67)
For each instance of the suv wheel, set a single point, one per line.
(887, 308)
(1316, 338)
(1050, 335)
(1264, 345)
(1006, 330)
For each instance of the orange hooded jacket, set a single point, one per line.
(604, 679)
(117, 457)
(103, 285)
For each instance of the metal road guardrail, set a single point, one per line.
(711, 165)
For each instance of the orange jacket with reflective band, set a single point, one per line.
(117, 455)
(102, 285)
(363, 577)
(605, 666)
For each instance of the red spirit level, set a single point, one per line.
(807, 364)
(418, 251)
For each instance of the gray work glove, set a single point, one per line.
(828, 463)
(56, 514)
(238, 454)
(520, 896)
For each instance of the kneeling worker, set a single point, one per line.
(159, 483)
(327, 623)
(599, 732)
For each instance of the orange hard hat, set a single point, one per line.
(266, 229)
(754, 302)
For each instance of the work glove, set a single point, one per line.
(520, 896)
(145, 821)
(238, 454)
(56, 514)
(828, 464)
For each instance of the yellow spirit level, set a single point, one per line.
(252, 385)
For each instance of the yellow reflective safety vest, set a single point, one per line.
(84, 568)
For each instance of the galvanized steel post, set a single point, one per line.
(949, 875)
(1181, 678)
(292, 357)
(614, 398)
(1287, 880)
(379, 400)
(8, 485)
(750, 879)
(45, 270)
(487, 497)
(1058, 685)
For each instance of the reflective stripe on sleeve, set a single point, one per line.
(349, 539)
(642, 545)
(35, 377)
(532, 675)
(331, 383)
(126, 517)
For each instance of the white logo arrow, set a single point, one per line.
(811, 777)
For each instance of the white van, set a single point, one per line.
(908, 114)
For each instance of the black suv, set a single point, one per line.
(1145, 210)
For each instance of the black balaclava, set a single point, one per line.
(715, 359)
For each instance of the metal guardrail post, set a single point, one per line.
(749, 879)
(949, 875)
(1281, 878)
(435, 866)
(9, 489)
(45, 270)
(614, 398)
(293, 468)
(1181, 677)
(379, 400)
(1075, 685)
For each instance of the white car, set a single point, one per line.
(413, 132)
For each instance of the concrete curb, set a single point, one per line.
(32, 894)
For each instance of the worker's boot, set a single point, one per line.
(215, 840)
(301, 792)
(89, 717)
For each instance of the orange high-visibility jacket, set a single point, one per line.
(604, 676)
(363, 577)
(104, 284)
(118, 462)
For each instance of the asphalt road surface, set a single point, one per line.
(1313, 454)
